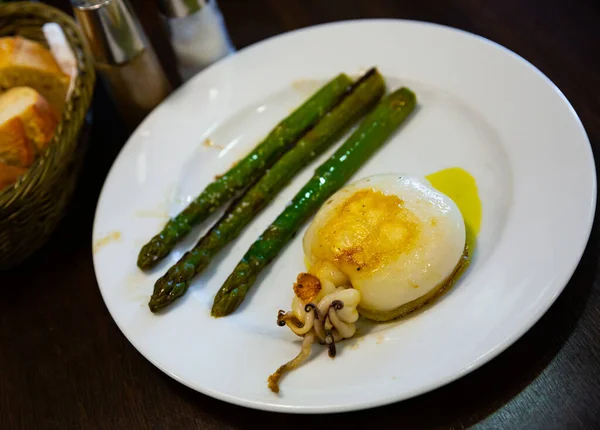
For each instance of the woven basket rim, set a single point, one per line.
(60, 146)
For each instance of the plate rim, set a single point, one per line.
(547, 302)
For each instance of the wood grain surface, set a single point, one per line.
(65, 365)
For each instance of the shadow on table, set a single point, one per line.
(462, 403)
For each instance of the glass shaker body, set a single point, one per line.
(123, 57)
(198, 34)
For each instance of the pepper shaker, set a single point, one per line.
(123, 57)
(197, 32)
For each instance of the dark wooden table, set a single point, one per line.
(64, 364)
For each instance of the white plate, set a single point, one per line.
(481, 107)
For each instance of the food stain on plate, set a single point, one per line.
(380, 339)
(306, 87)
(105, 240)
(157, 213)
(134, 287)
(209, 143)
(359, 338)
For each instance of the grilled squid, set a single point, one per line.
(382, 246)
(321, 312)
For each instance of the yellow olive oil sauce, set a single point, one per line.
(460, 186)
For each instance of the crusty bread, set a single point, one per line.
(27, 124)
(27, 63)
(15, 147)
(9, 174)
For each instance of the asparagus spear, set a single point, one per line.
(328, 178)
(364, 95)
(246, 171)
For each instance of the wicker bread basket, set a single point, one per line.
(31, 208)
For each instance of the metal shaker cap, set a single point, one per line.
(180, 8)
(113, 33)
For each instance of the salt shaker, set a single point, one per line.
(197, 32)
(123, 57)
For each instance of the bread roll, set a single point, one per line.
(27, 124)
(27, 63)
(15, 148)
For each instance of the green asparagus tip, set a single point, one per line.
(165, 293)
(226, 303)
(216, 313)
(408, 94)
(150, 254)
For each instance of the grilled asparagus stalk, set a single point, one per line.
(246, 171)
(364, 95)
(328, 178)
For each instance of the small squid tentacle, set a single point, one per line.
(292, 322)
(348, 315)
(298, 308)
(308, 324)
(312, 307)
(327, 325)
(330, 342)
(318, 320)
(350, 297)
(329, 335)
(347, 296)
(284, 318)
(291, 365)
(318, 326)
(345, 330)
(332, 351)
(337, 305)
(325, 304)
(280, 318)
